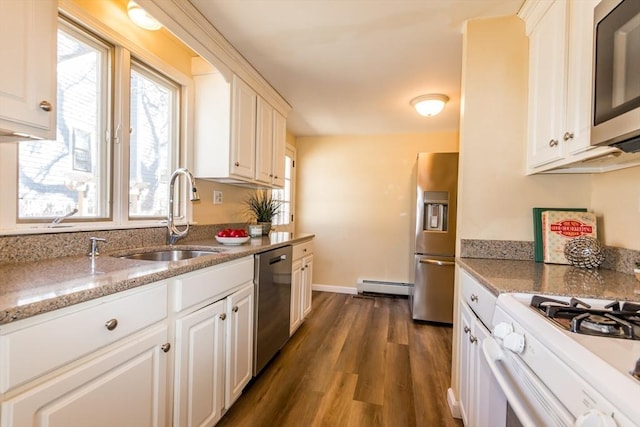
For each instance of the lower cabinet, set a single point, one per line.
(301, 281)
(214, 358)
(124, 386)
(479, 404)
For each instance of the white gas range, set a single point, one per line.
(553, 376)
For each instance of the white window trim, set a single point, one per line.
(119, 181)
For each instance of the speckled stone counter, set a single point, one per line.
(31, 288)
(500, 275)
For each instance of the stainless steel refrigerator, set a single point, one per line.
(431, 294)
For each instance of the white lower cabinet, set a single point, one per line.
(480, 405)
(301, 281)
(214, 343)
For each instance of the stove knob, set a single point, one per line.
(502, 329)
(514, 342)
(595, 418)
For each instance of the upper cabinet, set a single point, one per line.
(240, 137)
(560, 63)
(28, 73)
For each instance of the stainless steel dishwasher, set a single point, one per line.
(272, 304)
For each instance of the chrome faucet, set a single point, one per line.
(57, 220)
(173, 234)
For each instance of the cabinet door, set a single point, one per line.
(466, 362)
(243, 129)
(199, 366)
(577, 131)
(296, 296)
(239, 345)
(307, 279)
(279, 146)
(28, 74)
(264, 142)
(122, 387)
(547, 74)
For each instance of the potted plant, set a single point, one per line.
(263, 208)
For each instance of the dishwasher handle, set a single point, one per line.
(277, 259)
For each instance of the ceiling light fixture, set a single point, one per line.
(141, 17)
(429, 105)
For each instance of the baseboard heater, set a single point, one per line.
(383, 287)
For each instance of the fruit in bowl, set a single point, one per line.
(232, 236)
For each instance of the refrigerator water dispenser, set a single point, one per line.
(436, 210)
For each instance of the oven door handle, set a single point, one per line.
(495, 357)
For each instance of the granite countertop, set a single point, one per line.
(502, 276)
(31, 288)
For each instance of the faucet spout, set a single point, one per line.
(173, 233)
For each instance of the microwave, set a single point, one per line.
(616, 75)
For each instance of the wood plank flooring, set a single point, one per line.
(355, 361)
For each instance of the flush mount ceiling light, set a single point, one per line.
(429, 105)
(141, 17)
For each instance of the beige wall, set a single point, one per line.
(495, 197)
(354, 193)
(615, 198)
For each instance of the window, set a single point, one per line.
(70, 174)
(284, 218)
(83, 174)
(154, 101)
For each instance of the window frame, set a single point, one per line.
(118, 198)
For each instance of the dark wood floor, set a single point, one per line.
(355, 361)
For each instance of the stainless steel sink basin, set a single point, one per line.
(171, 254)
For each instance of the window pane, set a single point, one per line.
(70, 173)
(153, 137)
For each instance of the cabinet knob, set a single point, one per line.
(473, 339)
(567, 136)
(223, 316)
(235, 309)
(474, 297)
(237, 164)
(165, 347)
(111, 324)
(553, 143)
(467, 329)
(45, 106)
(270, 175)
(275, 176)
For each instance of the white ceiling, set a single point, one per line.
(352, 66)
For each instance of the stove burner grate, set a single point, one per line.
(614, 320)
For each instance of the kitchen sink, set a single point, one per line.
(171, 254)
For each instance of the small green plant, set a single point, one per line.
(262, 206)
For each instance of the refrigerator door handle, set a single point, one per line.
(435, 262)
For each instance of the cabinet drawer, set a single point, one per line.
(30, 352)
(479, 298)
(213, 282)
(302, 249)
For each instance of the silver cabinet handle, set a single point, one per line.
(165, 347)
(567, 136)
(111, 324)
(223, 316)
(553, 143)
(235, 309)
(435, 262)
(474, 297)
(467, 329)
(237, 164)
(45, 106)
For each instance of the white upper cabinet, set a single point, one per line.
(239, 136)
(28, 71)
(560, 72)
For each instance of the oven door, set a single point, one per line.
(529, 402)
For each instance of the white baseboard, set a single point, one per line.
(335, 289)
(454, 404)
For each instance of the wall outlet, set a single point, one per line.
(217, 197)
